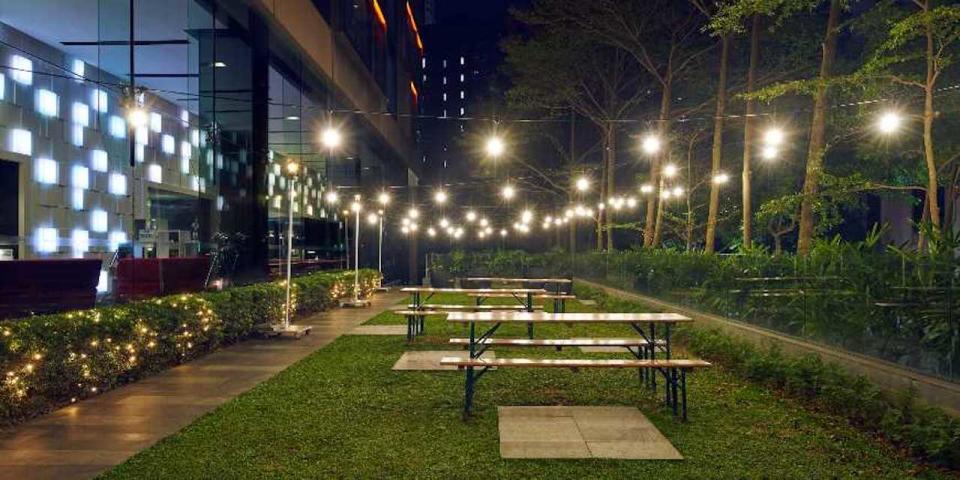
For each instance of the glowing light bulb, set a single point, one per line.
(383, 198)
(331, 138)
(440, 197)
(495, 147)
(471, 216)
(773, 137)
(670, 170)
(413, 213)
(508, 192)
(332, 197)
(583, 184)
(646, 188)
(769, 152)
(650, 144)
(721, 178)
(889, 122)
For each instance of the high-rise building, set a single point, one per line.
(159, 128)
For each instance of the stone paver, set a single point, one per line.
(379, 330)
(430, 359)
(85, 439)
(581, 432)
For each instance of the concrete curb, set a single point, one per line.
(887, 376)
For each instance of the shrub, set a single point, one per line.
(49, 360)
(927, 432)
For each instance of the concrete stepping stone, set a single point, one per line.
(430, 360)
(581, 432)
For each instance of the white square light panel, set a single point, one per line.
(80, 177)
(155, 173)
(21, 141)
(76, 198)
(168, 145)
(21, 69)
(116, 239)
(118, 184)
(118, 127)
(45, 171)
(99, 160)
(98, 221)
(46, 240)
(80, 114)
(76, 135)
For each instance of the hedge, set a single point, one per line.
(926, 432)
(51, 360)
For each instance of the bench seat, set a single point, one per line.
(550, 296)
(572, 363)
(560, 342)
(464, 308)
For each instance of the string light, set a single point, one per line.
(721, 178)
(440, 197)
(650, 144)
(769, 152)
(471, 216)
(669, 170)
(773, 137)
(889, 122)
(583, 184)
(413, 213)
(508, 192)
(331, 138)
(495, 147)
(383, 198)
(332, 197)
(646, 188)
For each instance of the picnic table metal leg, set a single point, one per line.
(653, 356)
(683, 392)
(468, 388)
(671, 382)
(529, 306)
(422, 319)
(673, 387)
(409, 328)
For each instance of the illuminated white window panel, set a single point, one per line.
(98, 221)
(168, 145)
(79, 242)
(185, 165)
(461, 95)
(155, 173)
(185, 150)
(76, 198)
(444, 97)
(80, 177)
(156, 122)
(99, 100)
(310, 210)
(118, 184)
(116, 239)
(276, 170)
(80, 114)
(184, 118)
(102, 282)
(99, 161)
(78, 68)
(3, 86)
(47, 103)
(45, 240)
(277, 201)
(21, 70)
(45, 171)
(195, 137)
(461, 78)
(195, 183)
(462, 61)
(462, 111)
(203, 185)
(219, 160)
(118, 127)
(220, 203)
(76, 135)
(142, 136)
(138, 153)
(21, 141)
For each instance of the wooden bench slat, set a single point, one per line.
(571, 318)
(572, 363)
(560, 342)
(566, 296)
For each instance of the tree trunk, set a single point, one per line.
(717, 151)
(932, 187)
(650, 237)
(748, 134)
(611, 180)
(604, 173)
(950, 201)
(573, 161)
(659, 218)
(818, 128)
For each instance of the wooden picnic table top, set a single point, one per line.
(543, 317)
(471, 290)
(507, 294)
(519, 280)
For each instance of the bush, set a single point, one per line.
(49, 360)
(927, 432)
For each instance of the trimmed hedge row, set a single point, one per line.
(50, 360)
(926, 432)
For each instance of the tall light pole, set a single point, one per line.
(383, 199)
(286, 328)
(356, 207)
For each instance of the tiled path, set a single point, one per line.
(83, 440)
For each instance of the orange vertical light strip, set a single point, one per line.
(413, 90)
(380, 18)
(413, 26)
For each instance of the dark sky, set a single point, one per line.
(475, 10)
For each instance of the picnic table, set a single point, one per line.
(645, 324)
(421, 295)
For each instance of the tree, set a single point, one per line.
(935, 31)
(557, 67)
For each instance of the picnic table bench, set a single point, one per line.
(420, 295)
(674, 371)
(415, 315)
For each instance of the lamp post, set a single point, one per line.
(384, 199)
(356, 207)
(286, 328)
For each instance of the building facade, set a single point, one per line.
(165, 129)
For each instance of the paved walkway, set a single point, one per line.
(83, 440)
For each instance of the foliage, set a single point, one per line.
(927, 432)
(49, 360)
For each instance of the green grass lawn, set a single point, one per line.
(342, 413)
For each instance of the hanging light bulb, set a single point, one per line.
(721, 178)
(440, 197)
(650, 144)
(508, 192)
(583, 184)
(670, 170)
(646, 188)
(373, 218)
(773, 137)
(769, 152)
(413, 213)
(330, 138)
(332, 197)
(495, 146)
(889, 122)
(471, 216)
(383, 198)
